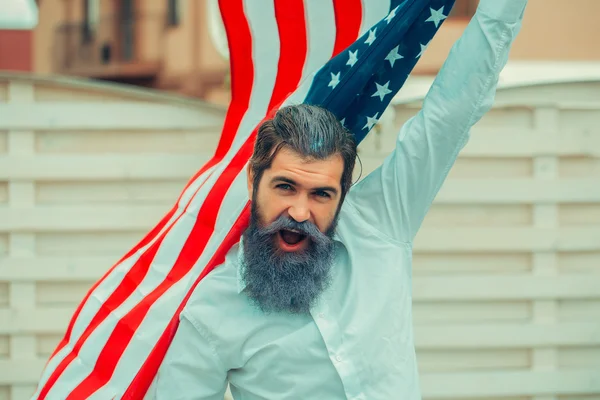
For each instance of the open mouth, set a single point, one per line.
(291, 240)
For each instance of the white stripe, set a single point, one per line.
(260, 15)
(373, 12)
(103, 291)
(321, 33)
(266, 59)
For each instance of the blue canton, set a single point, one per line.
(358, 84)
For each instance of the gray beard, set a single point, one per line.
(279, 281)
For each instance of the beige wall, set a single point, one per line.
(552, 30)
(52, 14)
(185, 52)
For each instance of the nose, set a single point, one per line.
(299, 211)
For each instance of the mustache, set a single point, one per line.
(306, 228)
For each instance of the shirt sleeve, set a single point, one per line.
(395, 198)
(192, 368)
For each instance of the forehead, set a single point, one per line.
(307, 171)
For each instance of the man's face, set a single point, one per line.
(302, 190)
(288, 247)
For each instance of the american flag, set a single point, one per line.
(350, 56)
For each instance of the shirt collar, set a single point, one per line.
(241, 284)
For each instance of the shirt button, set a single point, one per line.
(321, 315)
(338, 358)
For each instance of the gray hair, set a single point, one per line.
(311, 131)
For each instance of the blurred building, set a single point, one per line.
(174, 45)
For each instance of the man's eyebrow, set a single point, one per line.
(327, 189)
(292, 182)
(283, 179)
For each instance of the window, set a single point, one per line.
(464, 8)
(91, 9)
(173, 12)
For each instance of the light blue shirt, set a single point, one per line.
(357, 343)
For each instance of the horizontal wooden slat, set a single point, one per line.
(55, 269)
(500, 191)
(438, 313)
(521, 383)
(35, 320)
(16, 372)
(101, 115)
(109, 192)
(104, 142)
(81, 218)
(504, 142)
(478, 360)
(508, 239)
(101, 167)
(506, 335)
(506, 287)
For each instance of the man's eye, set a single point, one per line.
(284, 186)
(322, 193)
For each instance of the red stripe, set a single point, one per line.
(291, 25)
(241, 65)
(127, 286)
(194, 246)
(239, 39)
(348, 18)
(147, 239)
(140, 384)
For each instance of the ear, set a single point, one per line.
(250, 183)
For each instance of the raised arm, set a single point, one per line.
(395, 197)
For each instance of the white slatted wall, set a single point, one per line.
(507, 264)
(85, 172)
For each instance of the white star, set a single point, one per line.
(382, 90)
(352, 58)
(371, 121)
(393, 56)
(371, 37)
(343, 122)
(391, 15)
(423, 48)
(335, 79)
(436, 16)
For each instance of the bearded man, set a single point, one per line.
(315, 301)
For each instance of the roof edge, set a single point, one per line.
(111, 88)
